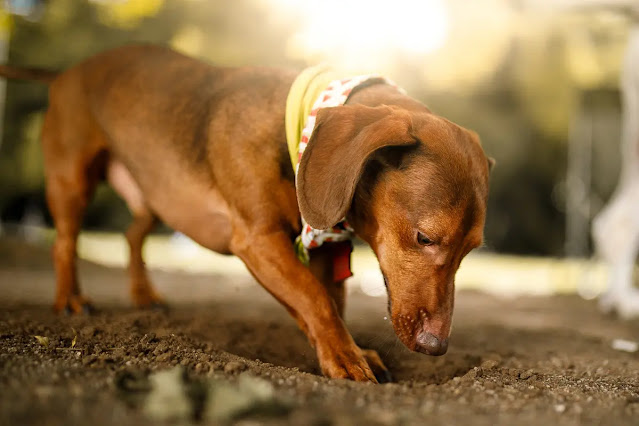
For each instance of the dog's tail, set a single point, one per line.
(37, 74)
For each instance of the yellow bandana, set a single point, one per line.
(303, 93)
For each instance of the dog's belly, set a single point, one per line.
(203, 217)
(180, 201)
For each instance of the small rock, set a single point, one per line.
(234, 367)
(165, 357)
(251, 395)
(560, 408)
(473, 374)
(88, 360)
(148, 338)
(161, 348)
(489, 364)
(525, 375)
(625, 345)
(168, 399)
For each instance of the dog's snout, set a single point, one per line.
(429, 344)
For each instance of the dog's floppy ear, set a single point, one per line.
(343, 140)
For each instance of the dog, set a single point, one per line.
(615, 230)
(204, 149)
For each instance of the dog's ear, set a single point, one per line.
(490, 160)
(491, 163)
(344, 138)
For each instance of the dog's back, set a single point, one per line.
(170, 120)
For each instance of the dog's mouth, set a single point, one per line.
(417, 331)
(406, 329)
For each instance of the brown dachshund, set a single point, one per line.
(204, 150)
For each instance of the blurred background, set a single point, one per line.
(538, 82)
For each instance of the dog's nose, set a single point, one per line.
(429, 344)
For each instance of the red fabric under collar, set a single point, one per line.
(341, 260)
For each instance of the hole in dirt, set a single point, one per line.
(406, 365)
(273, 337)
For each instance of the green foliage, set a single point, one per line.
(29, 162)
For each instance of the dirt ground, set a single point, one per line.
(529, 360)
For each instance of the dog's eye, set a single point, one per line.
(423, 239)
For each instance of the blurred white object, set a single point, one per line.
(625, 345)
(371, 283)
(616, 229)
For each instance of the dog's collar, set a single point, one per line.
(315, 88)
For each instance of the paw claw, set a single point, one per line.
(362, 365)
(74, 304)
(384, 376)
(377, 366)
(88, 309)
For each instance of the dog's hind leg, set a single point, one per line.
(71, 177)
(142, 291)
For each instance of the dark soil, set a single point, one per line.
(530, 360)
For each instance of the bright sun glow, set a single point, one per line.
(354, 29)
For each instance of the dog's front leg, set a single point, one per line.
(321, 265)
(271, 259)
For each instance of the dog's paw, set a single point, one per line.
(74, 304)
(625, 304)
(375, 363)
(145, 297)
(345, 364)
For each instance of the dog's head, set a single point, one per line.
(414, 186)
